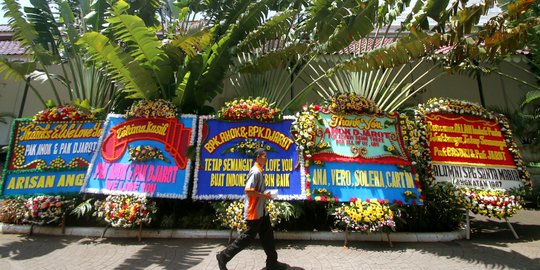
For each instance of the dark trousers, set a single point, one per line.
(261, 226)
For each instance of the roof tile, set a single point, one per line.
(11, 48)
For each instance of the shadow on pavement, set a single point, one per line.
(29, 247)
(166, 253)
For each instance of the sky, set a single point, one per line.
(22, 3)
(491, 13)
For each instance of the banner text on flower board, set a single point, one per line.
(45, 181)
(277, 172)
(259, 132)
(65, 148)
(362, 178)
(134, 177)
(62, 131)
(476, 176)
(467, 139)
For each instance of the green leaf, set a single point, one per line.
(15, 70)
(531, 96)
(275, 27)
(144, 44)
(137, 81)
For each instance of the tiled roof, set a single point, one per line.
(5, 28)
(365, 45)
(8, 47)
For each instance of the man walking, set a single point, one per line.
(257, 218)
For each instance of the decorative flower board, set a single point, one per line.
(470, 147)
(473, 149)
(353, 151)
(143, 156)
(49, 157)
(224, 158)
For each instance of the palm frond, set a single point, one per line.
(409, 48)
(143, 43)
(193, 42)
(15, 70)
(83, 208)
(271, 30)
(137, 81)
(352, 27)
(274, 59)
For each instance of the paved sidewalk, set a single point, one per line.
(492, 246)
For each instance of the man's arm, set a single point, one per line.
(254, 193)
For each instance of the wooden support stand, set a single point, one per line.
(139, 234)
(346, 244)
(468, 232)
(63, 224)
(389, 241)
(104, 231)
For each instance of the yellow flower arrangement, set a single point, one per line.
(152, 109)
(306, 128)
(346, 103)
(365, 216)
(231, 214)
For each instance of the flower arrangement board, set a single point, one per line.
(361, 137)
(346, 181)
(473, 149)
(364, 158)
(49, 157)
(470, 151)
(143, 156)
(224, 158)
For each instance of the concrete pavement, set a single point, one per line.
(492, 246)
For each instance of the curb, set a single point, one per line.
(222, 234)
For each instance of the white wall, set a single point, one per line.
(11, 98)
(498, 91)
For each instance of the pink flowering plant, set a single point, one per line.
(65, 112)
(365, 216)
(125, 211)
(250, 109)
(490, 203)
(46, 209)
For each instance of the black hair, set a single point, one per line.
(258, 152)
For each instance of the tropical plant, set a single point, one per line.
(325, 28)
(50, 30)
(189, 65)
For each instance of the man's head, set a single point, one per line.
(260, 156)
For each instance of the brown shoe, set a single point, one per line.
(222, 263)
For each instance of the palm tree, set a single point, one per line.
(189, 68)
(51, 30)
(369, 72)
